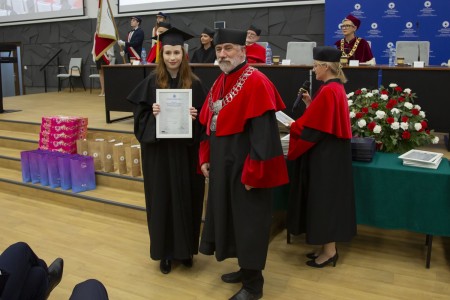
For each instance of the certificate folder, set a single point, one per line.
(422, 159)
(363, 149)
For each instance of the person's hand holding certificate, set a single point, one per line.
(173, 113)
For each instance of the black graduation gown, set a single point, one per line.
(321, 201)
(174, 189)
(204, 56)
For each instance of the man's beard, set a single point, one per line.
(228, 64)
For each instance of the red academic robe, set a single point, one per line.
(151, 58)
(363, 53)
(255, 53)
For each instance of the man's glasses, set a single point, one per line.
(251, 34)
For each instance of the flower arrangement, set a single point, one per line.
(390, 116)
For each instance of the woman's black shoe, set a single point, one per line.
(312, 255)
(165, 266)
(187, 262)
(332, 260)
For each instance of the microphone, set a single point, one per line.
(418, 41)
(302, 90)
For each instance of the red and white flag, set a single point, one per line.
(105, 35)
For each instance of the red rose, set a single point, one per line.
(415, 111)
(391, 103)
(374, 105)
(424, 124)
(390, 120)
(358, 92)
(384, 92)
(398, 89)
(359, 115)
(365, 110)
(401, 99)
(406, 135)
(371, 126)
(405, 119)
(427, 131)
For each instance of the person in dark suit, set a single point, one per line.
(135, 39)
(23, 275)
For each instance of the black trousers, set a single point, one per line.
(28, 274)
(90, 289)
(252, 280)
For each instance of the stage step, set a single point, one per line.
(121, 195)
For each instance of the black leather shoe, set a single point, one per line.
(312, 255)
(243, 294)
(234, 277)
(187, 262)
(165, 266)
(55, 273)
(332, 261)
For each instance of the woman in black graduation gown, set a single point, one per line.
(173, 187)
(206, 53)
(321, 202)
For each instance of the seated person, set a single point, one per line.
(206, 53)
(255, 52)
(352, 47)
(163, 27)
(26, 276)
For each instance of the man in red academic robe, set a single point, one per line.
(255, 52)
(351, 46)
(243, 158)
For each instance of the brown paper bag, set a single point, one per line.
(119, 157)
(135, 160)
(95, 148)
(82, 147)
(108, 155)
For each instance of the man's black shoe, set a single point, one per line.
(187, 262)
(165, 266)
(243, 294)
(55, 273)
(234, 277)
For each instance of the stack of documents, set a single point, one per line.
(422, 159)
(285, 144)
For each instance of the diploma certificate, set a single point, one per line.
(174, 119)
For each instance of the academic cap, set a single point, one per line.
(161, 14)
(165, 25)
(173, 37)
(354, 20)
(326, 53)
(256, 30)
(209, 32)
(139, 19)
(233, 36)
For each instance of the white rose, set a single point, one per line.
(395, 111)
(418, 126)
(417, 107)
(350, 95)
(395, 125)
(380, 114)
(377, 129)
(352, 115)
(350, 102)
(393, 85)
(375, 92)
(407, 91)
(404, 125)
(408, 105)
(384, 97)
(368, 95)
(364, 90)
(435, 140)
(362, 123)
(422, 114)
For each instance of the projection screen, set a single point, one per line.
(126, 6)
(28, 10)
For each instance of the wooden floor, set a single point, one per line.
(377, 264)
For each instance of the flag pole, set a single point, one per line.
(157, 49)
(117, 31)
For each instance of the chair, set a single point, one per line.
(413, 51)
(74, 71)
(93, 75)
(300, 53)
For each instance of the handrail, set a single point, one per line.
(45, 65)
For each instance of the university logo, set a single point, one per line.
(445, 24)
(357, 6)
(391, 5)
(374, 25)
(409, 25)
(390, 45)
(427, 4)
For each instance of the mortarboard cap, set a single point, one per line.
(209, 32)
(173, 37)
(232, 36)
(137, 18)
(165, 25)
(161, 14)
(327, 53)
(354, 20)
(256, 30)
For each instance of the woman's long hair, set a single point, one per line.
(185, 74)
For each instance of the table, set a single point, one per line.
(389, 195)
(426, 82)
